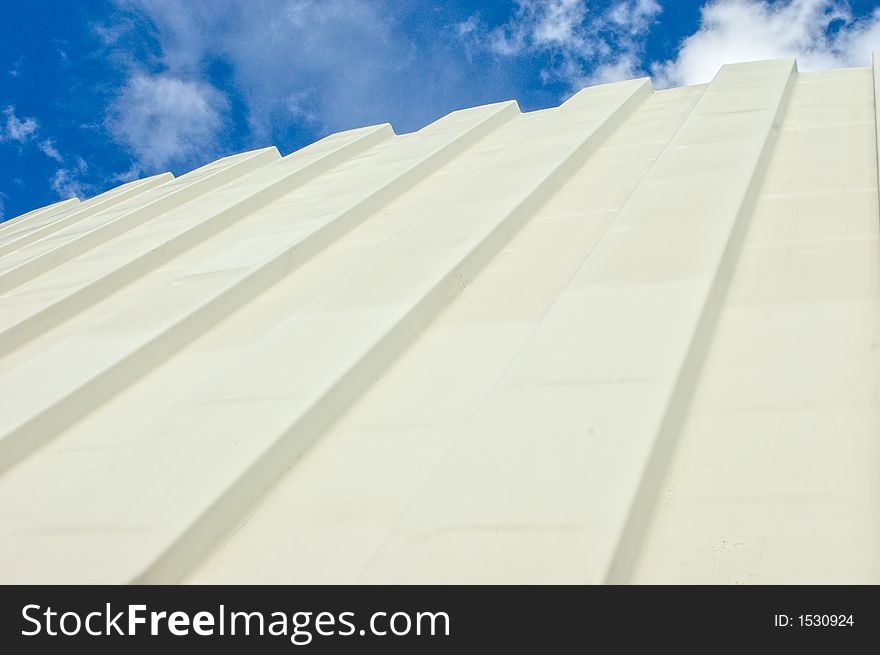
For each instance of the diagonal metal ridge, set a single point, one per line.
(29, 327)
(72, 403)
(653, 472)
(187, 189)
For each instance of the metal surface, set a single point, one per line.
(630, 339)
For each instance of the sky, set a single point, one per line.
(95, 94)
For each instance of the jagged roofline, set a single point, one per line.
(68, 204)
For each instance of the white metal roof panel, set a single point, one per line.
(630, 339)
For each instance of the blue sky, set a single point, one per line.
(93, 94)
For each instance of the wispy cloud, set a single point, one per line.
(67, 182)
(820, 33)
(580, 47)
(17, 66)
(47, 147)
(16, 129)
(165, 120)
(25, 133)
(317, 66)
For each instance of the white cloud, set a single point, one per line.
(15, 128)
(66, 182)
(17, 65)
(110, 34)
(167, 121)
(469, 26)
(542, 24)
(311, 66)
(337, 59)
(820, 33)
(629, 24)
(47, 147)
(133, 173)
(581, 48)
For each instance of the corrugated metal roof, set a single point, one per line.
(630, 339)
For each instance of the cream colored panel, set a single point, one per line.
(33, 259)
(34, 230)
(317, 527)
(777, 474)
(33, 218)
(539, 485)
(330, 348)
(633, 338)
